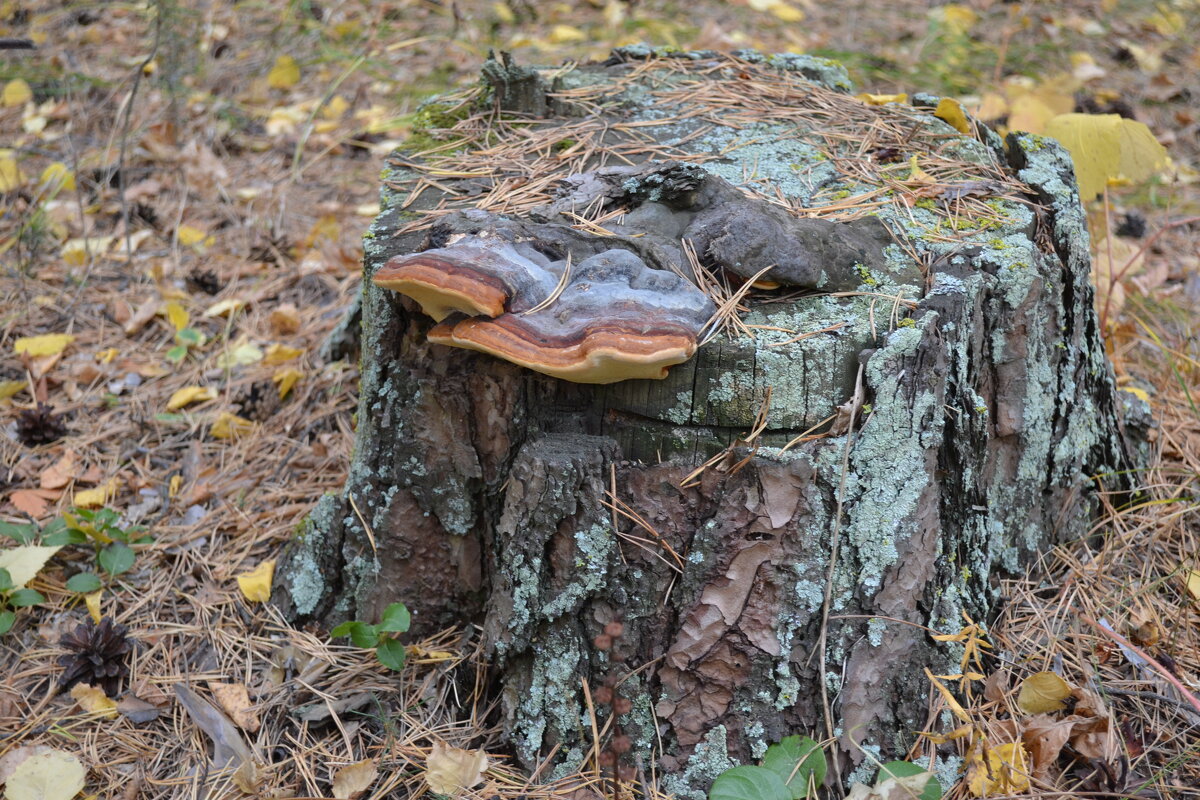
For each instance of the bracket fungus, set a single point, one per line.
(595, 308)
(608, 318)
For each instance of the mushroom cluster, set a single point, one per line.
(601, 309)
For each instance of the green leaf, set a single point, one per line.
(176, 354)
(84, 582)
(53, 527)
(5, 580)
(801, 756)
(903, 769)
(63, 537)
(7, 618)
(170, 418)
(25, 597)
(190, 337)
(396, 619)
(749, 783)
(22, 533)
(116, 558)
(361, 634)
(391, 654)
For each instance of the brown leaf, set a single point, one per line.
(449, 770)
(137, 710)
(29, 501)
(235, 699)
(144, 313)
(996, 686)
(228, 745)
(1092, 737)
(1044, 738)
(352, 780)
(61, 472)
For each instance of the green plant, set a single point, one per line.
(111, 542)
(792, 769)
(388, 649)
(13, 598)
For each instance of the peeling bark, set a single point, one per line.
(990, 408)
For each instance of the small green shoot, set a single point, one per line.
(12, 598)
(388, 649)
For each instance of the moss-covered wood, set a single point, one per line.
(989, 410)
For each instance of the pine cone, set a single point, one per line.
(259, 401)
(39, 426)
(97, 655)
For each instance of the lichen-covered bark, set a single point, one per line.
(989, 408)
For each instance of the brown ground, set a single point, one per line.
(214, 186)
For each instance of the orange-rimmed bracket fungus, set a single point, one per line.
(601, 308)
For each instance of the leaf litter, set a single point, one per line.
(100, 297)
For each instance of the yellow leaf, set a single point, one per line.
(1005, 771)
(10, 174)
(504, 13)
(449, 770)
(336, 107)
(25, 561)
(239, 356)
(285, 74)
(9, 388)
(230, 426)
(107, 355)
(951, 112)
(786, 12)
(286, 379)
(916, 174)
(94, 701)
(92, 601)
(175, 485)
(94, 498)
(16, 93)
(882, 99)
(991, 106)
(193, 237)
(958, 18)
(955, 707)
(58, 176)
(235, 699)
(1167, 22)
(352, 780)
(52, 775)
(1193, 583)
(1105, 146)
(190, 394)
(256, 584)
(223, 308)
(1043, 693)
(49, 344)
(564, 34)
(279, 353)
(177, 315)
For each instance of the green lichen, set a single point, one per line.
(709, 759)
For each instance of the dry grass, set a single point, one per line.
(283, 209)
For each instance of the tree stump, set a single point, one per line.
(873, 460)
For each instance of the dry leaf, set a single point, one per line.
(951, 112)
(137, 710)
(352, 780)
(998, 770)
(25, 561)
(92, 601)
(1043, 693)
(286, 379)
(228, 745)
(240, 355)
(279, 353)
(16, 93)
(57, 177)
(955, 707)
(144, 313)
(230, 426)
(881, 99)
(196, 238)
(235, 699)
(1193, 584)
(1106, 147)
(1044, 738)
(10, 174)
(29, 501)
(223, 308)
(61, 472)
(177, 315)
(49, 344)
(449, 770)
(94, 701)
(52, 775)
(284, 74)
(256, 584)
(94, 498)
(190, 394)
(285, 320)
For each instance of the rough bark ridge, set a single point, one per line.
(989, 406)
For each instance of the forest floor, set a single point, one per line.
(183, 188)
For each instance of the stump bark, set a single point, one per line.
(986, 414)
